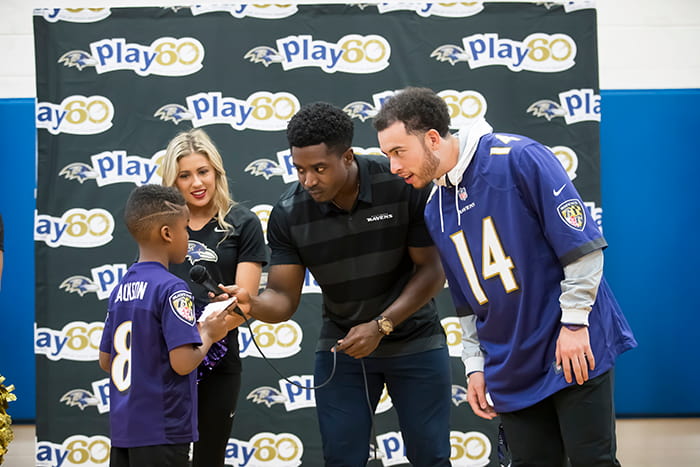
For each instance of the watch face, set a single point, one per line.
(385, 326)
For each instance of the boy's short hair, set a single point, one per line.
(419, 109)
(151, 206)
(320, 122)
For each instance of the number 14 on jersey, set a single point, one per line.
(494, 261)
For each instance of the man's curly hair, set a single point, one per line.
(420, 110)
(151, 206)
(318, 123)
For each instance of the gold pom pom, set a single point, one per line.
(6, 434)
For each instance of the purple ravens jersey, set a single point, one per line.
(150, 313)
(504, 233)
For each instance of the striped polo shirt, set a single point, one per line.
(360, 258)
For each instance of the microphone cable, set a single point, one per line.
(371, 412)
(201, 276)
(373, 430)
(238, 311)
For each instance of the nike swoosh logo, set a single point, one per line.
(557, 192)
(219, 229)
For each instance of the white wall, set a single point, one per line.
(643, 44)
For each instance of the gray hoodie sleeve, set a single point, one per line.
(472, 356)
(578, 293)
(580, 287)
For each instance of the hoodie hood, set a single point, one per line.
(468, 141)
(468, 138)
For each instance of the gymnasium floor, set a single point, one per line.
(661, 442)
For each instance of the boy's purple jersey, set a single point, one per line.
(150, 313)
(508, 229)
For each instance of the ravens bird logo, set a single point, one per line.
(77, 58)
(197, 251)
(263, 54)
(450, 53)
(266, 395)
(547, 109)
(78, 171)
(459, 394)
(265, 167)
(174, 113)
(80, 397)
(78, 284)
(360, 109)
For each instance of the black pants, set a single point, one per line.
(218, 396)
(172, 455)
(577, 422)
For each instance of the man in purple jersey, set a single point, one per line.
(524, 264)
(151, 341)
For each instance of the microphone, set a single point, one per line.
(200, 275)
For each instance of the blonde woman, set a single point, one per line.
(226, 238)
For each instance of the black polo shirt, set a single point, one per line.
(360, 258)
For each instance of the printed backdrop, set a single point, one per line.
(115, 85)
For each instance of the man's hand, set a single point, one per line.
(574, 353)
(234, 319)
(241, 294)
(361, 340)
(476, 396)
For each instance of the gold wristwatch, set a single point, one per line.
(384, 324)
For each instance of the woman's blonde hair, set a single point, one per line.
(197, 141)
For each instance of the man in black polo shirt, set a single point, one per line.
(359, 229)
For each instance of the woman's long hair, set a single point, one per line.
(197, 141)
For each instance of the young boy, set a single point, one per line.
(152, 342)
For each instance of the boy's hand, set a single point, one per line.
(217, 324)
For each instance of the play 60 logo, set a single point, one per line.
(265, 450)
(77, 115)
(76, 450)
(279, 340)
(77, 227)
(77, 341)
